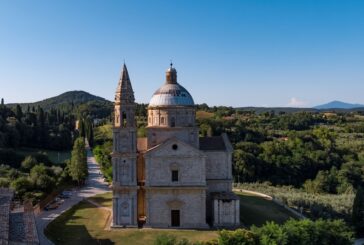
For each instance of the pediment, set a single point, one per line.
(174, 148)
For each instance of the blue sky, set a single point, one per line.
(238, 53)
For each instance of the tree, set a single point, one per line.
(353, 173)
(358, 210)
(78, 164)
(325, 182)
(28, 163)
(21, 185)
(41, 178)
(18, 113)
(89, 132)
(302, 232)
(271, 234)
(81, 127)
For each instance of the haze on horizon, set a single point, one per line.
(234, 53)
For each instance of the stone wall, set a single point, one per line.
(171, 117)
(158, 135)
(190, 202)
(226, 213)
(219, 185)
(124, 207)
(124, 170)
(189, 163)
(218, 165)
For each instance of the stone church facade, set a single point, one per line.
(172, 177)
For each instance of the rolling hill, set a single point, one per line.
(338, 105)
(78, 102)
(71, 98)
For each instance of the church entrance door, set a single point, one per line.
(175, 218)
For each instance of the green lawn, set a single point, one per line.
(255, 210)
(86, 224)
(54, 156)
(104, 200)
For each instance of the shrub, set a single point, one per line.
(237, 237)
(165, 240)
(28, 163)
(303, 232)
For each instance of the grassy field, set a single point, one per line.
(54, 156)
(104, 200)
(204, 115)
(86, 224)
(255, 210)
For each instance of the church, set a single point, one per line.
(172, 178)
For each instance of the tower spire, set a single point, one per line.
(124, 91)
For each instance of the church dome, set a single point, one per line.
(171, 93)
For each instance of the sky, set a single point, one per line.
(235, 53)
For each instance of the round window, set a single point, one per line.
(174, 147)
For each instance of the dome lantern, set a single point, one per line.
(171, 93)
(171, 75)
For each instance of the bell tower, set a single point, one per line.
(124, 155)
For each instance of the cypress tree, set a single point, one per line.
(358, 211)
(78, 164)
(81, 127)
(18, 113)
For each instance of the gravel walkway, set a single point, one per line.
(94, 185)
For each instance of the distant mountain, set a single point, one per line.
(276, 109)
(71, 98)
(338, 105)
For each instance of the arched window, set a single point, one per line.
(162, 120)
(124, 119)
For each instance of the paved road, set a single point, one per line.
(94, 185)
(359, 241)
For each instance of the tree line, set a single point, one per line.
(36, 128)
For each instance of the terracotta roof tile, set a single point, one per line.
(214, 143)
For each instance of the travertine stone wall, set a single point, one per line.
(189, 162)
(226, 213)
(124, 207)
(157, 135)
(190, 202)
(219, 185)
(218, 165)
(124, 140)
(171, 117)
(124, 170)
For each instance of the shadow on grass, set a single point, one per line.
(70, 228)
(255, 210)
(103, 199)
